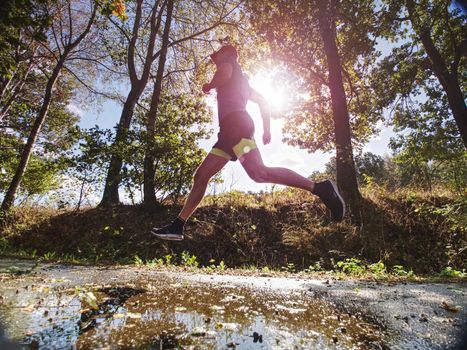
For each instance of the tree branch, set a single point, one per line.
(215, 25)
(90, 88)
(132, 44)
(97, 61)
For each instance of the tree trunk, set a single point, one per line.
(457, 103)
(345, 166)
(448, 80)
(112, 182)
(81, 195)
(26, 154)
(149, 169)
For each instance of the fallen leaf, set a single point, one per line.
(449, 307)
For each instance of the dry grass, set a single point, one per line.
(423, 232)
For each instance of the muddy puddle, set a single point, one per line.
(67, 309)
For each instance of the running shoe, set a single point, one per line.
(167, 233)
(327, 191)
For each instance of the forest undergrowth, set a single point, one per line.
(405, 232)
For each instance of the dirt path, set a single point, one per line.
(418, 315)
(54, 306)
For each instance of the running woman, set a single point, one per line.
(235, 141)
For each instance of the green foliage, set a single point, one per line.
(138, 261)
(369, 166)
(448, 271)
(454, 214)
(42, 174)
(15, 17)
(351, 266)
(49, 256)
(51, 153)
(377, 268)
(400, 270)
(222, 266)
(355, 267)
(189, 260)
(429, 148)
(290, 31)
(180, 124)
(290, 267)
(213, 267)
(316, 267)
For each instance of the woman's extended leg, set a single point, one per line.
(210, 166)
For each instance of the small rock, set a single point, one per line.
(334, 339)
(423, 318)
(198, 332)
(257, 337)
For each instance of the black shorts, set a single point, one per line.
(236, 136)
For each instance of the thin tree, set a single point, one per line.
(138, 84)
(326, 45)
(149, 170)
(446, 72)
(63, 33)
(345, 166)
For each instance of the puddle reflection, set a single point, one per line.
(164, 314)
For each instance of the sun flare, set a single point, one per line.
(277, 96)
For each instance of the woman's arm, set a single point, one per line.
(222, 75)
(263, 104)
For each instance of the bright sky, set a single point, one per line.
(276, 153)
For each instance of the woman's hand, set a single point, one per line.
(206, 88)
(266, 137)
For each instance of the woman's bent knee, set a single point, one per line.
(259, 175)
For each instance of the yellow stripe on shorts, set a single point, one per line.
(243, 147)
(220, 153)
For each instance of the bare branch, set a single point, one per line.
(97, 61)
(88, 87)
(215, 25)
(132, 45)
(70, 23)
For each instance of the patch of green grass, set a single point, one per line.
(290, 267)
(351, 266)
(399, 270)
(213, 267)
(356, 267)
(189, 260)
(448, 271)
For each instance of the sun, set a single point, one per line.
(276, 95)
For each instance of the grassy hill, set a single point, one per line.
(284, 229)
